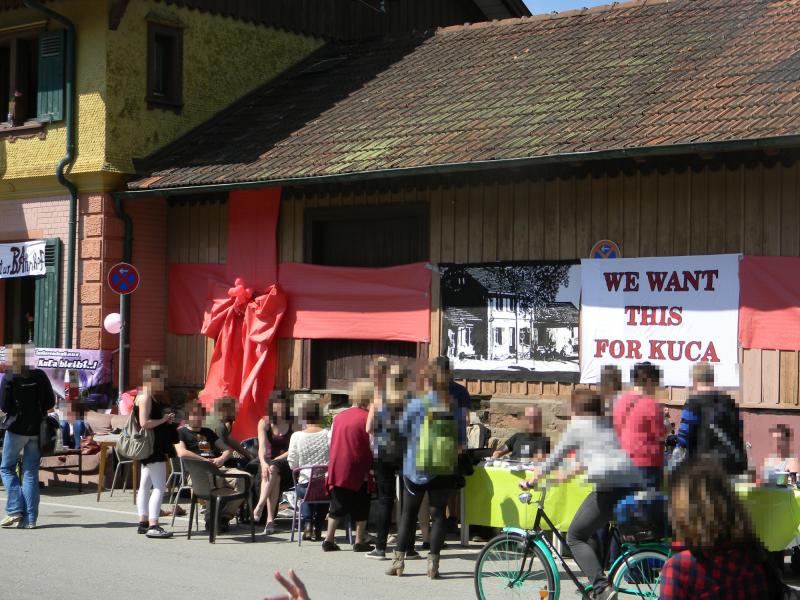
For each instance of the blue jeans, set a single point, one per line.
(21, 499)
(78, 431)
(311, 513)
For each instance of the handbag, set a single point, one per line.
(135, 442)
(48, 431)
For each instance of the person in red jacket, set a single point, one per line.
(639, 423)
(348, 469)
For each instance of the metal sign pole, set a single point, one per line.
(123, 342)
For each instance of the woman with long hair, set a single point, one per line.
(149, 408)
(383, 423)
(434, 429)
(721, 557)
(274, 433)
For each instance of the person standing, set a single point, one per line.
(434, 427)
(348, 469)
(383, 422)
(639, 423)
(25, 397)
(149, 410)
(710, 425)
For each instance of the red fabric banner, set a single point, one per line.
(251, 255)
(769, 302)
(358, 304)
(244, 362)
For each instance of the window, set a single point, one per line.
(498, 336)
(31, 78)
(164, 67)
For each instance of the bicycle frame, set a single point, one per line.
(536, 534)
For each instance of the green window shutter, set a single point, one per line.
(45, 324)
(50, 95)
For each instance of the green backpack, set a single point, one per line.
(437, 452)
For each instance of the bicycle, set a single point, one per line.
(507, 566)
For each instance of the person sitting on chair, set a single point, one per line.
(220, 421)
(530, 444)
(198, 442)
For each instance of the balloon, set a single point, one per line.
(112, 323)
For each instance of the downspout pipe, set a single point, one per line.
(66, 162)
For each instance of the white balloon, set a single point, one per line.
(112, 323)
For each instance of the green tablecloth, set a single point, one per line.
(775, 513)
(491, 498)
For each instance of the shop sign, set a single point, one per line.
(22, 259)
(672, 311)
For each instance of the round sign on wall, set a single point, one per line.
(123, 278)
(605, 249)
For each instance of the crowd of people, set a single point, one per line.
(395, 431)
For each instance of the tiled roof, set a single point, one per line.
(625, 76)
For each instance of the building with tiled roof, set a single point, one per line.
(669, 127)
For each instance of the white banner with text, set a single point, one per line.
(22, 259)
(670, 311)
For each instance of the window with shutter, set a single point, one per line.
(19, 81)
(50, 93)
(45, 326)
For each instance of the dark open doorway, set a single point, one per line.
(20, 302)
(362, 236)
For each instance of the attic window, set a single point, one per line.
(164, 67)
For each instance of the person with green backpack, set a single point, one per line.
(434, 427)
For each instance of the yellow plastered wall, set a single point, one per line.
(223, 59)
(31, 156)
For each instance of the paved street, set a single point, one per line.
(80, 540)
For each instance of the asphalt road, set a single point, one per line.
(85, 550)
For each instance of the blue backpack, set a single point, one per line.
(642, 517)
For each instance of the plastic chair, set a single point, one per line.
(121, 462)
(203, 483)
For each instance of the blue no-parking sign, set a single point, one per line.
(123, 278)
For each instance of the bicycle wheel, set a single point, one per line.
(638, 573)
(505, 569)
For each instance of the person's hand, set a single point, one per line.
(530, 483)
(169, 417)
(264, 470)
(218, 462)
(295, 587)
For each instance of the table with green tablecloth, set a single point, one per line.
(491, 498)
(775, 513)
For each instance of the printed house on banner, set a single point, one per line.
(512, 140)
(504, 326)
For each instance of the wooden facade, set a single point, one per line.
(747, 204)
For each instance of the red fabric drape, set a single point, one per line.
(355, 303)
(244, 359)
(189, 292)
(769, 302)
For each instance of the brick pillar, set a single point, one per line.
(100, 249)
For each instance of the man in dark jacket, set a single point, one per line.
(710, 425)
(25, 397)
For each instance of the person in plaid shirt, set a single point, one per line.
(719, 557)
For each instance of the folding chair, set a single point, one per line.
(178, 474)
(316, 493)
(121, 462)
(203, 482)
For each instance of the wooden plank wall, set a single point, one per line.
(672, 210)
(198, 233)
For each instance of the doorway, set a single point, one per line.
(19, 304)
(362, 236)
